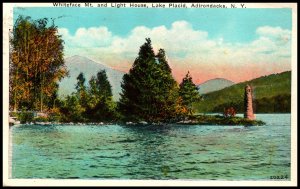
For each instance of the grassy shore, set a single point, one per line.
(220, 120)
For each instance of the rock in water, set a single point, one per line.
(248, 103)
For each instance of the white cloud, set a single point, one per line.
(185, 47)
(91, 37)
(274, 32)
(273, 39)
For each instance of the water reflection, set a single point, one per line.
(151, 157)
(152, 152)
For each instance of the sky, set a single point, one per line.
(235, 44)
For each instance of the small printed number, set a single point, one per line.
(279, 177)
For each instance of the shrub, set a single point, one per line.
(54, 115)
(25, 117)
(41, 119)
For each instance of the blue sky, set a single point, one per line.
(234, 25)
(236, 44)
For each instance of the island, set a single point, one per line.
(149, 92)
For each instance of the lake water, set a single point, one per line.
(154, 152)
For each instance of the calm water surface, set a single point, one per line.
(153, 152)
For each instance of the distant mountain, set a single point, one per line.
(214, 85)
(77, 64)
(271, 94)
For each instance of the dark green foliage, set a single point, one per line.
(280, 104)
(74, 106)
(103, 110)
(93, 92)
(149, 92)
(161, 57)
(103, 85)
(101, 106)
(271, 94)
(92, 103)
(80, 86)
(188, 92)
(13, 114)
(55, 117)
(25, 117)
(40, 119)
(72, 110)
(221, 120)
(81, 91)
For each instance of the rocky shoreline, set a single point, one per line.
(193, 120)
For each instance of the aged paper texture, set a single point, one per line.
(150, 94)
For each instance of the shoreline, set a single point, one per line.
(202, 120)
(135, 125)
(256, 123)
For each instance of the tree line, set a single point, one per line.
(90, 103)
(149, 91)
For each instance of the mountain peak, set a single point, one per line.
(81, 59)
(214, 85)
(76, 56)
(76, 64)
(217, 79)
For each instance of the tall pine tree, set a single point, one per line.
(168, 92)
(104, 87)
(188, 92)
(148, 90)
(101, 106)
(81, 90)
(91, 102)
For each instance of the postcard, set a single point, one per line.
(150, 94)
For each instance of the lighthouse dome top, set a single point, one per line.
(248, 88)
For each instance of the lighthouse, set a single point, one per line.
(248, 102)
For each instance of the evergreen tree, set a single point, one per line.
(161, 57)
(80, 86)
(188, 92)
(148, 90)
(93, 92)
(103, 85)
(168, 92)
(72, 110)
(81, 91)
(90, 103)
(101, 106)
